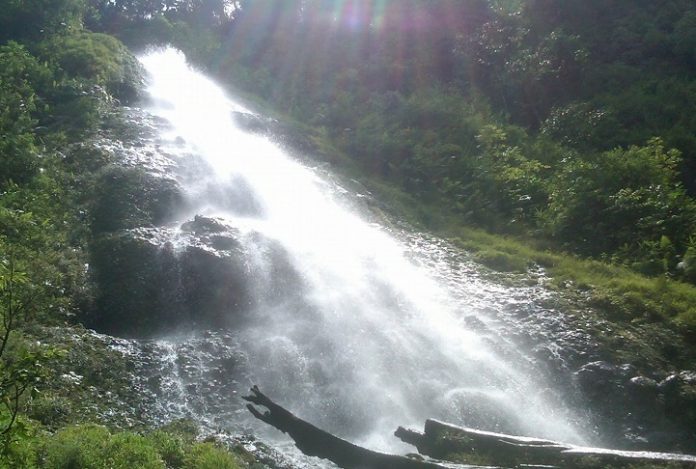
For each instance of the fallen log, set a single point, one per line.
(442, 440)
(445, 441)
(313, 441)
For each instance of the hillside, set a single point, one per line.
(552, 144)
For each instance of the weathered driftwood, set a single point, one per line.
(316, 442)
(440, 440)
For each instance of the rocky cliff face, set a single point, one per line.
(158, 267)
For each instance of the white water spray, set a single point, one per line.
(374, 341)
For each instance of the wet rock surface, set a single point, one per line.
(202, 275)
(638, 411)
(644, 404)
(162, 271)
(130, 198)
(132, 384)
(156, 270)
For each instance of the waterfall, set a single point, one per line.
(367, 327)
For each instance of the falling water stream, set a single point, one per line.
(379, 327)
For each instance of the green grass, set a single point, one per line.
(616, 291)
(92, 446)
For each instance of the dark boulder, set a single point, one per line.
(636, 411)
(212, 279)
(204, 225)
(678, 392)
(596, 379)
(126, 198)
(147, 287)
(642, 391)
(137, 277)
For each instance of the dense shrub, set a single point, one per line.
(20, 73)
(99, 58)
(95, 447)
(76, 447)
(620, 197)
(35, 19)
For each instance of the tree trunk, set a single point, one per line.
(442, 440)
(313, 441)
(446, 442)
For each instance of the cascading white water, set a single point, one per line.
(375, 341)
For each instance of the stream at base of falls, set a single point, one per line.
(269, 270)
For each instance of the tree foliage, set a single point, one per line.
(525, 115)
(20, 72)
(55, 79)
(31, 20)
(620, 197)
(532, 116)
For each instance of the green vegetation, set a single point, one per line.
(616, 288)
(59, 84)
(566, 128)
(568, 121)
(42, 277)
(646, 321)
(94, 446)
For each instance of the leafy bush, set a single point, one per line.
(52, 411)
(19, 74)
(684, 36)
(76, 447)
(618, 197)
(99, 58)
(172, 447)
(33, 19)
(95, 447)
(129, 450)
(581, 125)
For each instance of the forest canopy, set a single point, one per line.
(566, 119)
(531, 117)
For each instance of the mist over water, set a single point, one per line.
(366, 329)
